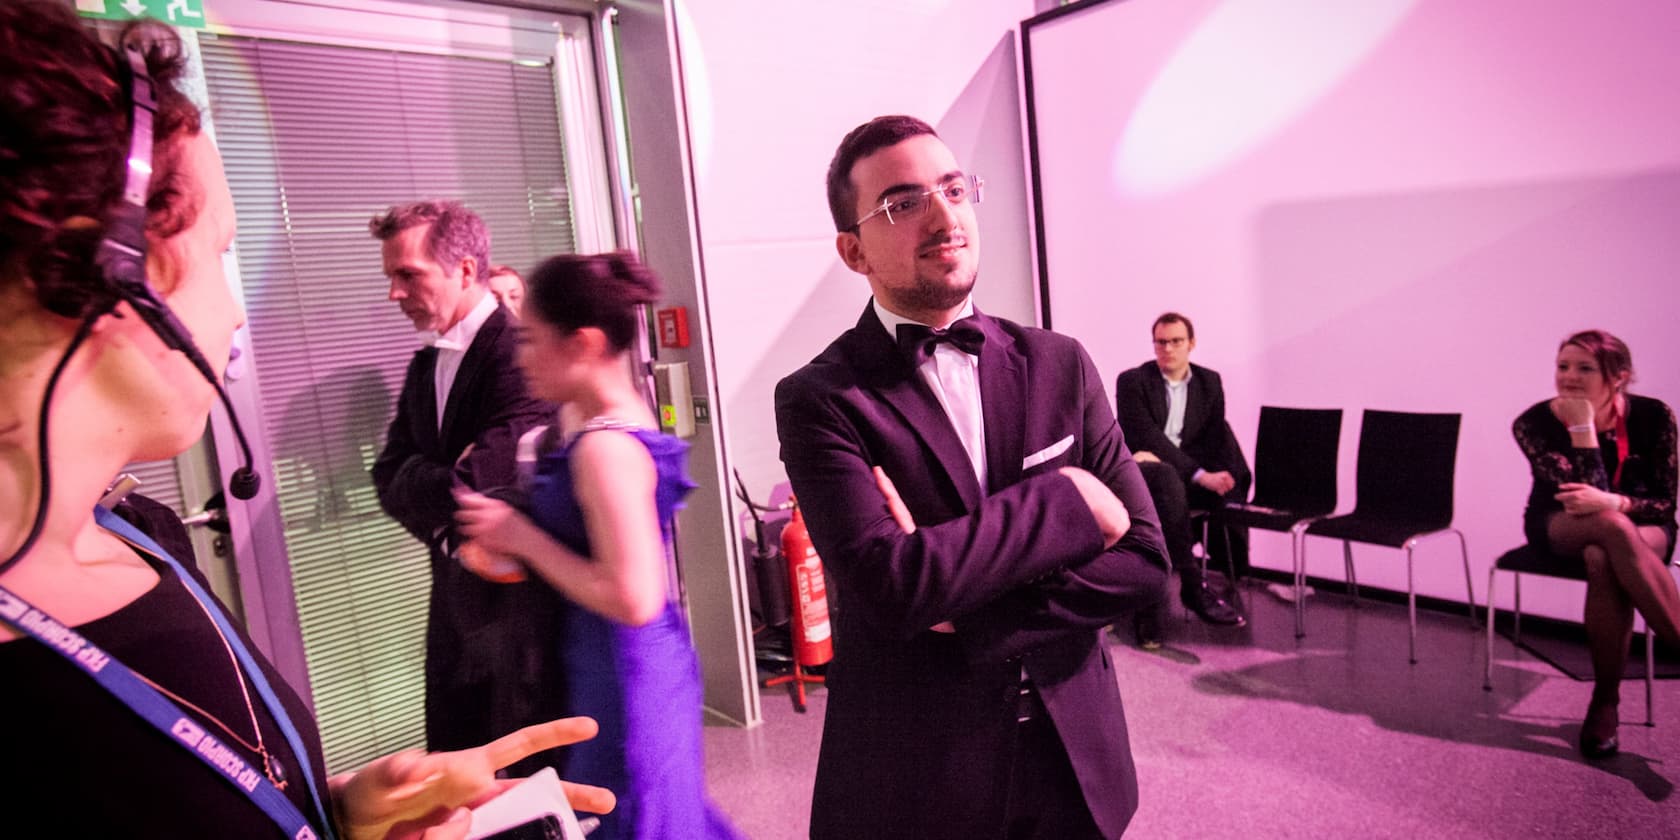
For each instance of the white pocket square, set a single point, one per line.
(1046, 453)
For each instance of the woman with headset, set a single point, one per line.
(129, 704)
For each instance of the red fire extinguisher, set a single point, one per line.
(813, 635)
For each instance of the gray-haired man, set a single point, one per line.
(462, 410)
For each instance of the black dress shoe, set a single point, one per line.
(1147, 623)
(1211, 608)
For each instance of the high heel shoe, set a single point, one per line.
(1598, 731)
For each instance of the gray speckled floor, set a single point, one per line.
(1249, 733)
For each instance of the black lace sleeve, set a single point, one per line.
(1554, 460)
(1653, 501)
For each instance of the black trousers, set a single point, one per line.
(1044, 799)
(1173, 502)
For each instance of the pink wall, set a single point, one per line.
(1395, 204)
(771, 89)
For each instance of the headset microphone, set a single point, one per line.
(156, 314)
(122, 258)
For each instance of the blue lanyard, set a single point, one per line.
(145, 701)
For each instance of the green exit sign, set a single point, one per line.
(173, 12)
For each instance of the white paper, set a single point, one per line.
(538, 795)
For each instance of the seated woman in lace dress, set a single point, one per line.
(1604, 490)
(603, 491)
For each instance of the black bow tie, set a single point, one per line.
(917, 341)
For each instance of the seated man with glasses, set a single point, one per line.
(967, 487)
(1173, 414)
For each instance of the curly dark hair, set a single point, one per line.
(861, 142)
(65, 120)
(573, 291)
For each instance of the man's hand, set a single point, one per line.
(901, 515)
(492, 524)
(413, 795)
(1217, 483)
(895, 505)
(1109, 511)
(1145, 457)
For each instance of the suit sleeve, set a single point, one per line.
(1091, 594)
(402, 471)
(415, 489)
(903, 584)
(1141, 431)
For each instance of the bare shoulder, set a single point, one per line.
(608, 452)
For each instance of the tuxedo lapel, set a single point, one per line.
(890, 376)
(1196, 402)
(1003, 402)
(472, 367)
(425, 401)
(1156, 387)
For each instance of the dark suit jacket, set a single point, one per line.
(1140, 397)
(494, 638)
(920, 725)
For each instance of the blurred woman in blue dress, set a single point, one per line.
(602, 492)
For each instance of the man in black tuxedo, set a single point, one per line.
(1173, 414)
(965, 482)
(490, 647)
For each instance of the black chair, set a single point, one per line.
(1294, 481)
(1405, 486)
(1526, 560)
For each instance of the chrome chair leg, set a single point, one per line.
(1298, 560)
(1516, 608)
(1650, 671)
(1487, 668)
(1469, 588)
(1347, 568)
(1411, 606)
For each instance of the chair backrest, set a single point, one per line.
(1295, 459)
(1406, 466)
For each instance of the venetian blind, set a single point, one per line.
(316, 140)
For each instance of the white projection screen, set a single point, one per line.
(1390, 204)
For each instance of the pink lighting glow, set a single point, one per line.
(1245, 72)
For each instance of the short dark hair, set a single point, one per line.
(863, 141)
(1611, 353)
(456, 231)
(65, 122)
(573, 291)
(1174, 318)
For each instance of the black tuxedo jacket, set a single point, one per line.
(920, 724)
(1140, 396)
(484, 657)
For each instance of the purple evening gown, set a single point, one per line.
(642, 684)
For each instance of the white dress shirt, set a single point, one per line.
(1178, 395)
(452, 346)
(954, 377)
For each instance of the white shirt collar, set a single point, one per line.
(891, 320)
(1188, 372)
(460, 336)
